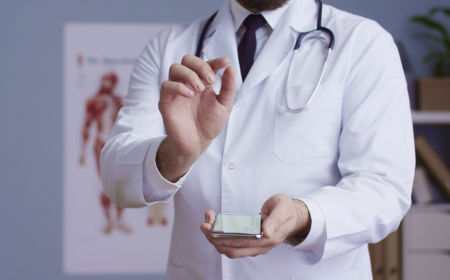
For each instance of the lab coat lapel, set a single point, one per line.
(300, 17)
(223, 41)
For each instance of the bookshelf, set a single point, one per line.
(426, 244)
(425, 241)
(430, 118)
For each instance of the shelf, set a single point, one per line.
(431, 117)
(429, 207)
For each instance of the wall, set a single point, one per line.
(31, 115)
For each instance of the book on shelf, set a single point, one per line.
(386, 258)
(434, 165)
(376, 258)
(422, 187)
(392, 256)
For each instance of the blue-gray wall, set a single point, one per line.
(31, 84)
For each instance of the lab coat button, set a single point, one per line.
(238, 104)
(231, 166)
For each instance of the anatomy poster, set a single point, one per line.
(99, 237)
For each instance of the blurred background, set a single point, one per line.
(32, 127)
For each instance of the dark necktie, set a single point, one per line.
(247, 46)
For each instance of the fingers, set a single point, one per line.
(235, 248)
(194, 74)
(245, 243)
(218, 63)
(181, 73)
(205, 70)
(170, 88)
(226, 95)
(234, 253)
(200, 67)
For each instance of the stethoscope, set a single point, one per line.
(301, 38)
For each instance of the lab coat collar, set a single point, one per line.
(301, 16)
(223, 41)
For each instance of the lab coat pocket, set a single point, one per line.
(310, 136)
(176, 272)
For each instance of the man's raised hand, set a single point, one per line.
(193, 114)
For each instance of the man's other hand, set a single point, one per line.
(282, 217)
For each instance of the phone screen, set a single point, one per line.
(238, 223)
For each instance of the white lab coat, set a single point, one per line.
(350, 158)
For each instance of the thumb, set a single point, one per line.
(210, 217)
(226, 95)
(276, 217)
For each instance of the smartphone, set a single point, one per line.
(238, 226)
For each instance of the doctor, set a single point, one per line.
(209, 133)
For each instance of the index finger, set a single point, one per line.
(218, 63)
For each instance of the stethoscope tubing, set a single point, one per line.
(297, 46)
(286, 86)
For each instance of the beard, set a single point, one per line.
(262, 5)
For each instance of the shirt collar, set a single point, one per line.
(239, 14)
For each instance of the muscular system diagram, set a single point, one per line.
(101, 110)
